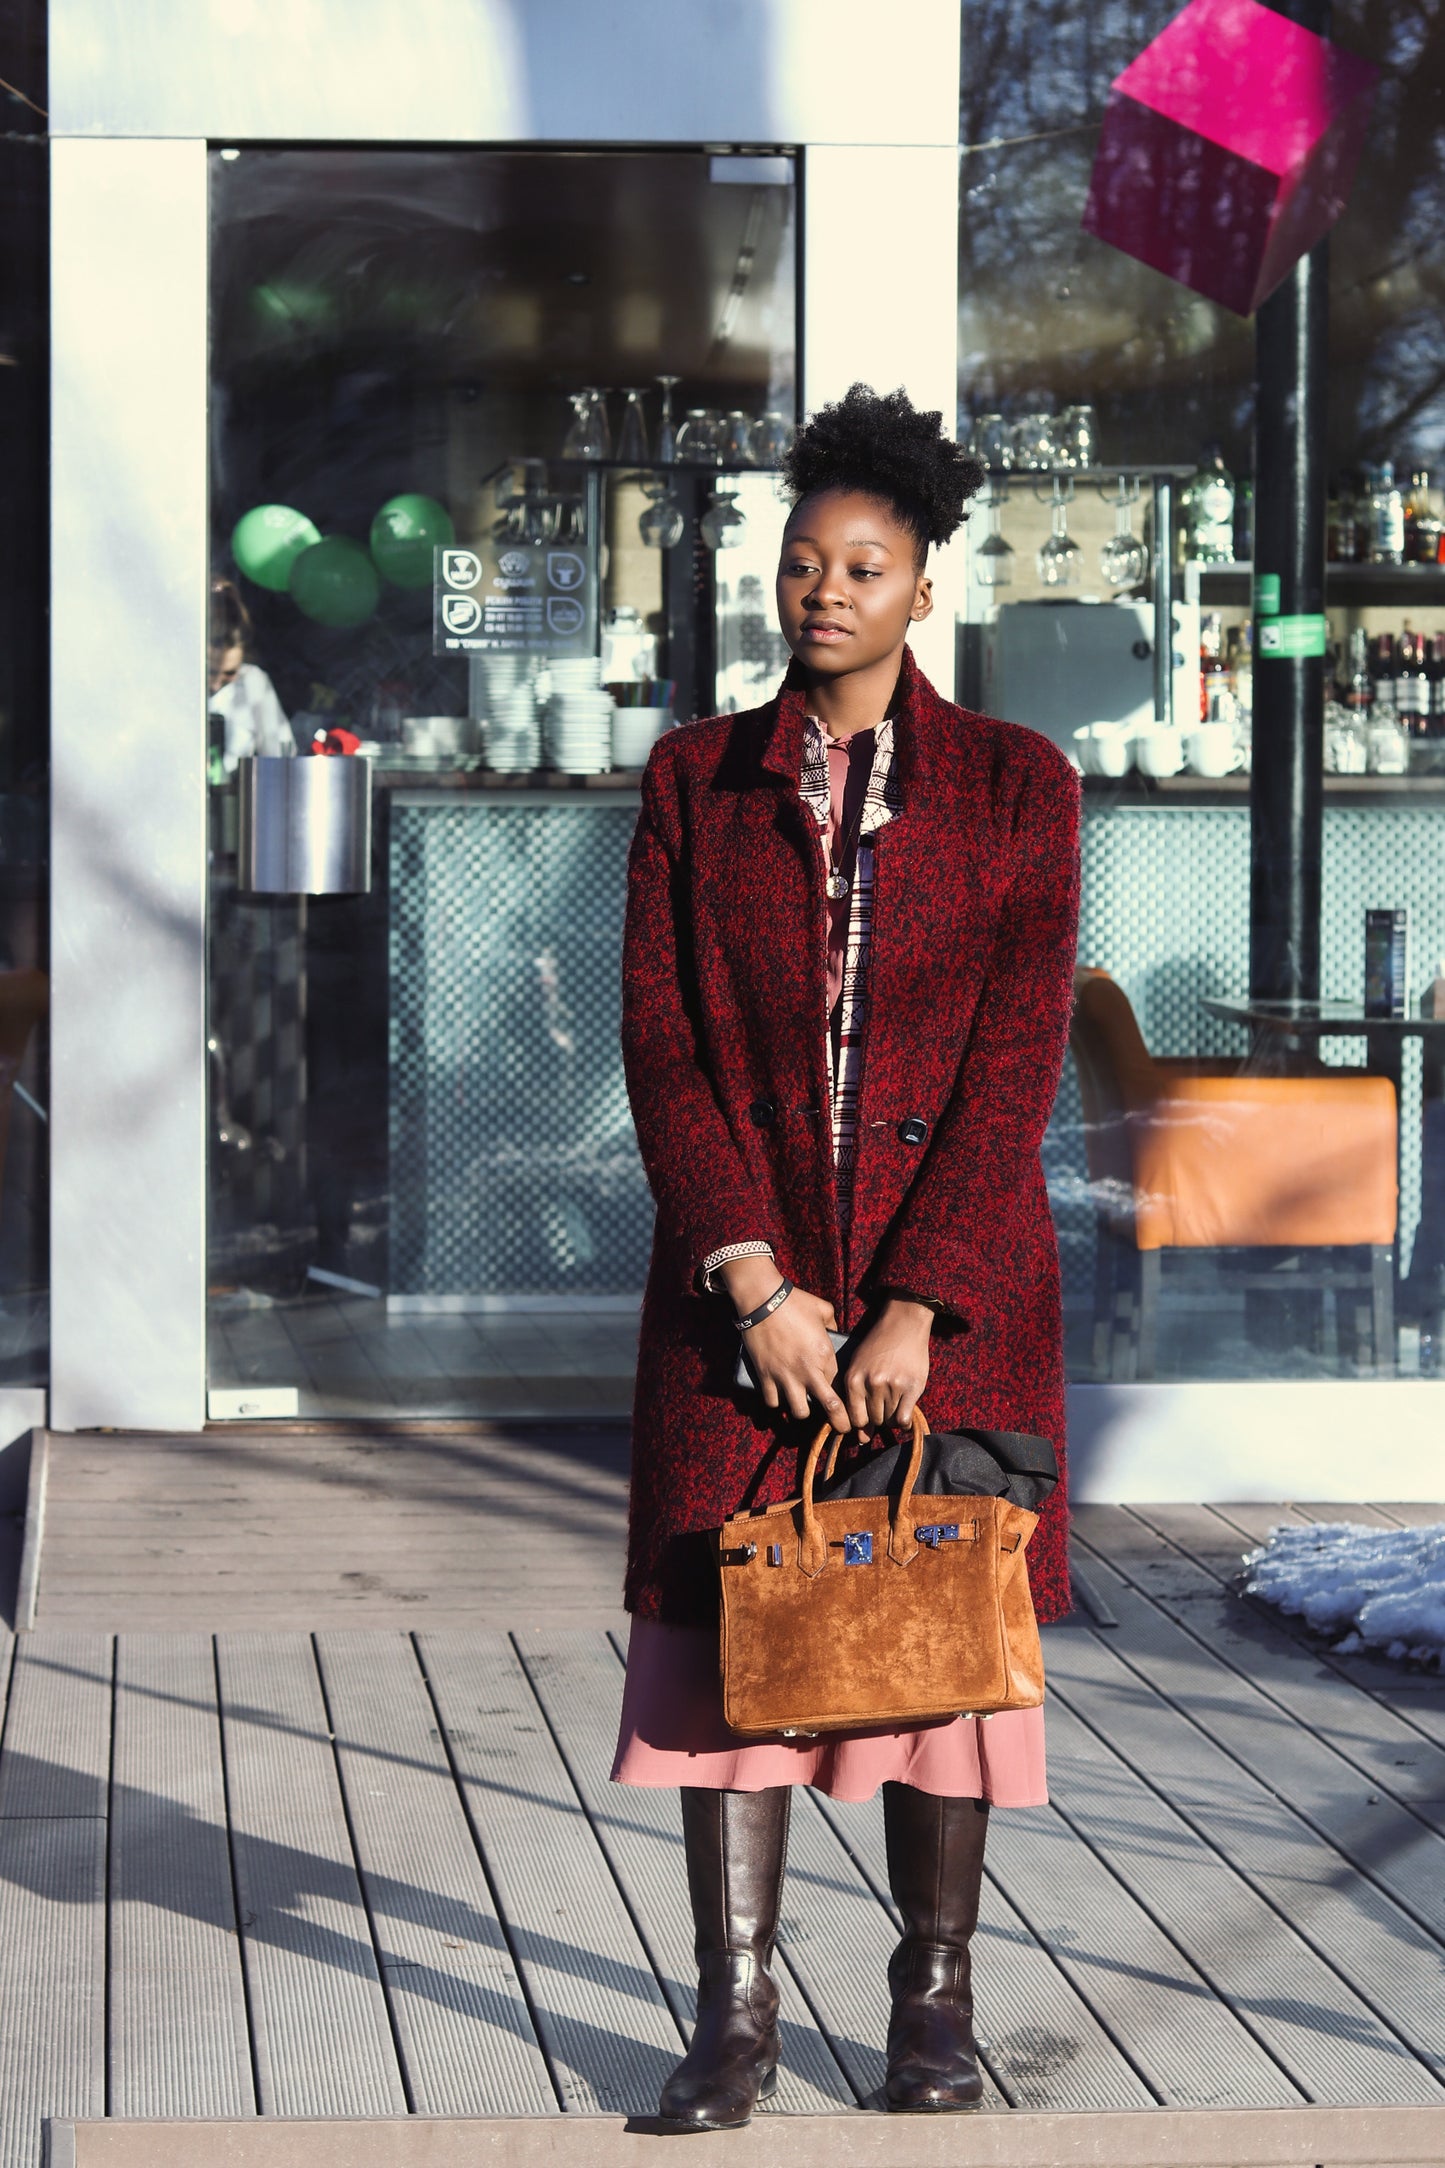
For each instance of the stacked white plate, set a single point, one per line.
(511, 734)
(579, 716)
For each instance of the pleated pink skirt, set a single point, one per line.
(673, 1733)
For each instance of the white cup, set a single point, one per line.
(1210, 749)
(1104, 749)
(436, 734)
(1159, 749)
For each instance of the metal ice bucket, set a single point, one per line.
(305, 827)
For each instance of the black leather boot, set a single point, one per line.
(736, 1844)
(935, 1871)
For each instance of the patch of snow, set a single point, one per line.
(1381, 1588)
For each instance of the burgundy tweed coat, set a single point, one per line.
(724, 1043)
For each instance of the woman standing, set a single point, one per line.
(846, 989)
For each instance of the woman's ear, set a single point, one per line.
(922, 599)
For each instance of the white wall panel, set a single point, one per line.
(638, 71)
(1288, 1438)
(880, 303)
(129, 578)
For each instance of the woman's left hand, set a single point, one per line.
(888, 1369)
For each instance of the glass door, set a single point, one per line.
(493, 504)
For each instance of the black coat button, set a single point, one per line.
(912, 1129)
(763, 1113)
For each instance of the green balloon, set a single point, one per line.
(335, 582)
(403, 535)
(267, 540)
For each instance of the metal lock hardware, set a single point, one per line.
(858, 1549)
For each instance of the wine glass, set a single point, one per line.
(993, 560)
(737, 450)
(1081, 431)
(575, 443)
(662, 521)
(772, 438)
(590, 436)
(1060, 562)
(722, 525)
(666, 434)
(1033, 444)
(993, 441)
(692, 430)
(1124, 561)
(632, 438)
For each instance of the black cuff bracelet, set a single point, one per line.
(779, 1295)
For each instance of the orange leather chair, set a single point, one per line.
(1196, 1155)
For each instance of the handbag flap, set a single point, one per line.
(958, 1464)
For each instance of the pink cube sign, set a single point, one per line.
(1228, 149)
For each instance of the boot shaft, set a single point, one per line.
(935, 1864)
(736, 1845)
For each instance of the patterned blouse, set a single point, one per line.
(845, 1046)
(845, 1051)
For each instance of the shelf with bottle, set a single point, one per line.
(1385, 711)
(1375, 524)
(1231, 583)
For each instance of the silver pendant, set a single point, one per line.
(837, 885)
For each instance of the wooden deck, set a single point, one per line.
(381, 1874)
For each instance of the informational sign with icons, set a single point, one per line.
(535, 597)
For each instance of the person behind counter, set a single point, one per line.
(243, 700)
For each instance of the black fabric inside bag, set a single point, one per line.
(956, 1464)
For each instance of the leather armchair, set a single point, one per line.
(1197, 1155)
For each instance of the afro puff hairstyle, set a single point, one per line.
(882, 446)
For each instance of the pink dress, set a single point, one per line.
(673, 1731)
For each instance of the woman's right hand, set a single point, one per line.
(790, 1352)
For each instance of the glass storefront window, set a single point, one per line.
(570, 374)
(1223, 1190)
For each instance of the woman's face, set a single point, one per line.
(225, 662)
(848, 582)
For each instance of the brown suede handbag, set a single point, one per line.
(862, 1612)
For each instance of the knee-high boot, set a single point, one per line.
(736, 1845)
(935, 1871)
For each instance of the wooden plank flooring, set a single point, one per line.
(491, 1524)
(383, 1873)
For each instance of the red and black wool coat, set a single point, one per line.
(724, 1042)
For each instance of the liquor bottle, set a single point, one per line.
(1343, 544)
(1207, 502)
(1212, 666)
(1422, 520)
(1244, 522)
(1240, 663)
(1412, 685)
(1387, 517)
(1435, 671)
(1359, 690)
(1382, 672)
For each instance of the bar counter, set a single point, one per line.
(514, 1173)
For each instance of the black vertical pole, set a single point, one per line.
(1286, 800)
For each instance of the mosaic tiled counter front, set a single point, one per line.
(514, 1172)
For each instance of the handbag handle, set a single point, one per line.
(902, 1543)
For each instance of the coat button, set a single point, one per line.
(912, 1129)
(763, 1113)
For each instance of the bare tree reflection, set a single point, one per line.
(1047, 312)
